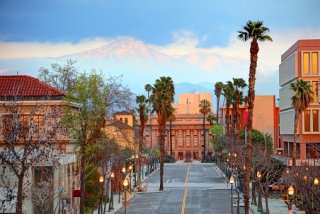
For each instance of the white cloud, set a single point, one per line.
(12, 50)
(183, 42)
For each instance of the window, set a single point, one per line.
(315, 64)
(315, 90)
(315, 119)
(306, 61)
(311, 120)
(310, 63)
(307, 121)
(126, 120)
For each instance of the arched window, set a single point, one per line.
(126, 120)
(121, 119)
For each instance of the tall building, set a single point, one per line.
(187, 130)
(301, 61)
(265, 117)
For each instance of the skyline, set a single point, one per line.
(35, 34)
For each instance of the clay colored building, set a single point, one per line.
(187, 131)
(265, 117)
(301, 61)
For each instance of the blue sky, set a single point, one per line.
(149, 21)
(199, 33)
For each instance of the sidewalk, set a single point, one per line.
(117, 205)
(276, 206)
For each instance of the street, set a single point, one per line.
(189, 188)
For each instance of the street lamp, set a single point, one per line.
(125, 184)
(290, 192)
(231, 182)
(259, 174)
(111, 196)
(100, 202)
(130, 170)
(316, 182)
(260, 209)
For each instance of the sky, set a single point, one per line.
(34, 30)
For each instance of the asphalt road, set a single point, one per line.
(189, 188)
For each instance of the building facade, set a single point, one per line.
(301, 61)
(187, 128)
(120, 128)
(36, 102)
(265, 117)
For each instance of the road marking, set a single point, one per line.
(187, 175)
(167, 181)
(184, 201)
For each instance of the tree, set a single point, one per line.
(162, 98)
(148, 88)
(204, 109)
(61, 77)
(86, 124)
(27, 137)
(217, 131)
(211, 118)
(301, 99)
(238, 83)
(96, 97)
(255, 31)
(172, 118)
(143, 118)
(218, 87)
(228, 93)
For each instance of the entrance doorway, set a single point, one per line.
(180, 155)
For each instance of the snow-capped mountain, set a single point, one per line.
(128, 49)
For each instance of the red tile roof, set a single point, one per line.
(26, 86)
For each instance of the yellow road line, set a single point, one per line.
(184, 201)
(185, 191)
(187, 175)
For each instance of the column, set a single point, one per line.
(303, 149)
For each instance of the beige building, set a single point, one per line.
(301, 61)
(121, 129)
(187, 132)
(40, 106)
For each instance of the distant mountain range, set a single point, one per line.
(140, 64)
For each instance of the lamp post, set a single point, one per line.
(111, 195)
(259, 209)
(125, 184)
(100, 201)
(290, 192)
(231, 182)
(130, 175)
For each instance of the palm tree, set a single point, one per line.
(228, 92)
(148, 88)
(211, 118)
(218, 91)
(205, 108)
(171, 118)
(254, 31)
(143, 118)
(162, 98)
(238, 83)
(303, 96)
